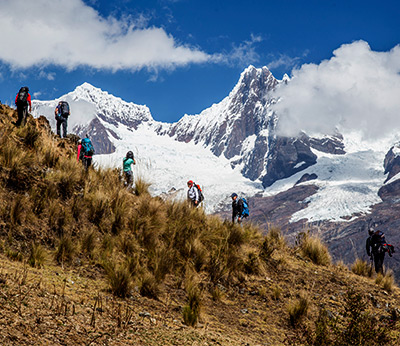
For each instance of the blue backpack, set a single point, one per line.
(87, 147)
(245, 212)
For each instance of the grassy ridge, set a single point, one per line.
(136, 269)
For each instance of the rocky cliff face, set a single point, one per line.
(392, 162)
(238, 127)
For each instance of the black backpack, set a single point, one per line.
(63, 109)
(22, 97)
(201, 196)
(377, 242)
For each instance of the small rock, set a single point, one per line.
(244, 311)
(145, 314)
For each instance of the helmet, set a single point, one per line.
(233, 195)
(129, 154)
(190, 182)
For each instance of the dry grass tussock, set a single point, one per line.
(312, 247)
(362, 268)
(144, 254)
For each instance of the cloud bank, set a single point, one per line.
(71, 34)
(357, 89)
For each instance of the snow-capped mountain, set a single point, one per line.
(231, 146)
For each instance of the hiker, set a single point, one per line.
(22, 101)
(61, 115)
(240, 209)
(128, 161)
(85, 152)
(193, 194)
(377, 247)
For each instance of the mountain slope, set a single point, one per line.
(86, 261)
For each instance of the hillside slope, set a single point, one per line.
(87, 262)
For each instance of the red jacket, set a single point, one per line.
(28, 99)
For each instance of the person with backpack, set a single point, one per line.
(62, 113)
(194, 194)
(85, 152)
(240, 208)
(127, 163)
(22, 101)
(376, 247)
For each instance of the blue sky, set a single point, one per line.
(177, 56)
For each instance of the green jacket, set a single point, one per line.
(127, 164)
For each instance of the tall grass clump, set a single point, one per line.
(149, 286)
(30, 135)
(37, 256)
(362, 268)
(65, 250)
(274, 240)
(67, 177)
(119, 279)
(386, 281)
(141, 187)
(313, 248)
(88, 243)
(191, 311)
(49, 152)
(298, 309)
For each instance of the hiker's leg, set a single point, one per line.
(378, 258)
(128, 178)
(64, 126)
(59, 127)
(20, 111)
(24, 115)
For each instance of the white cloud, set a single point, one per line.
(244, 54)
(48, 76)
(71, 34)
(357, 89)
(286, 61)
